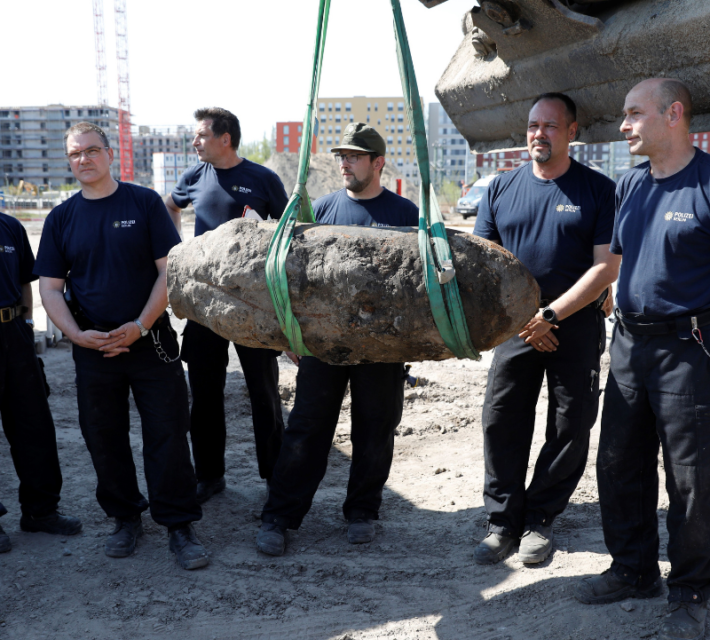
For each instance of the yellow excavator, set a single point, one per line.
(30, 188)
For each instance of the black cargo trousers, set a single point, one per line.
(377, 392)
(160, 394)
(27, 421)
(207, 357)
(514, 383)
(658, 392)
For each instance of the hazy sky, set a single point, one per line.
(252, 57)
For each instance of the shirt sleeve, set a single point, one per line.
(604, 229)
(163, 234)
(27, 259)
(51, 261)
(486, 226)
(278, 199)
(180, 193)
(615, 246)
(412, 215)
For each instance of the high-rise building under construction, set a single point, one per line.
(32, 141)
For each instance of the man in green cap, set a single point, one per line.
(377, 389)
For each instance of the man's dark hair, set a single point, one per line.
(223, 121)
(570, 106)
(85, 127)
(671, 90)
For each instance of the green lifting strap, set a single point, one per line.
(298, 207)
(452, 323)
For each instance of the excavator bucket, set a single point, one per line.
(592, 50)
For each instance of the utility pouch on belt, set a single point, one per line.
(84, 323)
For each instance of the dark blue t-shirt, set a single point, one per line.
(385, 210)
(551, 226)
(16, 260)
(220, 195)
(663, 232)
(109, 247)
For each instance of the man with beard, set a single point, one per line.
(659, 382)
(377, 389)
(221, 188)
(556, 216)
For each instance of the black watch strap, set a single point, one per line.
(549, 315)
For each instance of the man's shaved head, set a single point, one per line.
(671, 90)
(667, 91)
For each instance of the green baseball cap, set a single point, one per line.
(361, 137)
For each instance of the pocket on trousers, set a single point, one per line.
(702, 422)
(590, 405)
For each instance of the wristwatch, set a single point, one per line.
(30, 322)
(143, 330)
(549, 315)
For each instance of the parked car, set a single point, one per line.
(468, 205)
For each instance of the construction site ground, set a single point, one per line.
(417, 580)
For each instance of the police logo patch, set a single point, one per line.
(2, 249)
(116, 224)
(569, 208)
(678, 216)
(235, 187)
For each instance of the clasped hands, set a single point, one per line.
(112, 343)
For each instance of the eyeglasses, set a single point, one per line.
(91, 152)
(350, 158)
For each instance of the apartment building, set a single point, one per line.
(288, 138)
(167, 168)
(386, 115)
(148, 141)
(448, 149)
(32, 141)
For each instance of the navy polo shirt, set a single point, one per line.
(108, 247)
(551, 226)
(663, 232)
(385, 210)
(220, 195)
(16, 260)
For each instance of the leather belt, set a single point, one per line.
(686, 323)
(8, 314)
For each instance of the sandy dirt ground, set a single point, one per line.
(417, 580)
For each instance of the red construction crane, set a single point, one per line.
(124, 102)
(102, 92)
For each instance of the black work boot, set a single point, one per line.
(684, 621)
(606, 588)
(361, 531)
(122, 542)
(207, 488)
(188, 550)
(271, 539)
(493, 548)
(55, 523)
(4, 542)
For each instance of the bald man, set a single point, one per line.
(658, 390)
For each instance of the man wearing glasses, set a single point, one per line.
(221, 188)
(109, 244)
(377, 389)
